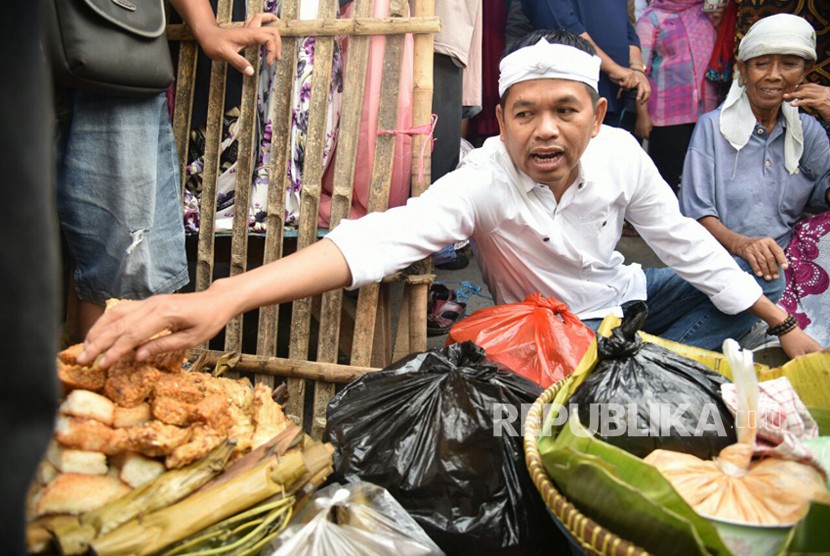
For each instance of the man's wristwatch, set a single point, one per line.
(638, 67)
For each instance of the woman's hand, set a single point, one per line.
(191, 318)
(762, 254)
(797, 342)
(643, 125)
(811, 95)
(225, 44)
(643, 87)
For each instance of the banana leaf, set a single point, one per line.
(822, 418)
(810, 377)
(607, 483)
(812, 535)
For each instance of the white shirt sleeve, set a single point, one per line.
(382, 243)
(683, 244)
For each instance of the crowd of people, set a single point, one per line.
(548, 176)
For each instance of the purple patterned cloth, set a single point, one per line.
(806, 295)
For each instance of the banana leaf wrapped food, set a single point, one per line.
(770, 492)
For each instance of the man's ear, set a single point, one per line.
(500, 118)
(599, 114)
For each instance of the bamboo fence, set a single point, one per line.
(369, 345)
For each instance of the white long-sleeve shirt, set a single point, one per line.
(526, 242)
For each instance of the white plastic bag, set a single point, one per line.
(360, 519)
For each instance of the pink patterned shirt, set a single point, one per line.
(676, 47)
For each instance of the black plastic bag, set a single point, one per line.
(642, 396)
(424, 430)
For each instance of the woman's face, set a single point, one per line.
(768, 77)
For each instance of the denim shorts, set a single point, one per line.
(119, 199)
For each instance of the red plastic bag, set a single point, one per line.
(538, 338)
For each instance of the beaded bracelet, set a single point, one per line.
(780, 329)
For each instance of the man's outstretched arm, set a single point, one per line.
(194, 318)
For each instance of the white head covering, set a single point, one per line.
(776, 34)
(548, 61)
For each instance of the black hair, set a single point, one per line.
(557, 36)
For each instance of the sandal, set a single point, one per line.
(444, 315)
(439, 292)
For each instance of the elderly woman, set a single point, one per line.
(755, 164)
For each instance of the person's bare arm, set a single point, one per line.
(643, 125)
(194, 318)
(624, 77)
(762, 253)
(225, 44)
(635, 58)
(795, 342)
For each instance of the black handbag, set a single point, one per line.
(109, 46)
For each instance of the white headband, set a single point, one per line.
(548, 61)
(779, 34)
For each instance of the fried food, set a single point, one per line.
(87, 434)
(202, 440)
(242, 429)
(268, 416)
(238, 392)
(68, 460)
(69, 356)
(129, 389)
(78, 377)
(185, 387)
(173, 411)
(154, 439)
(74, 493)
(88, 405)
(136, 469)
(213, 411)
(131, 416)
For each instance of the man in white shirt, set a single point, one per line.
(544, 204)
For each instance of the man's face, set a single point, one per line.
(767, 78)
(546, 125)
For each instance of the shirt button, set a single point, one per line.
(767, 163)
(579, 186)
(760, 131)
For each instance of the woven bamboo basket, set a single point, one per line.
(591, 536)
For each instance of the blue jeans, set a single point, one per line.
(119, 200)
(679, 312)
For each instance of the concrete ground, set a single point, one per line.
(634, 249)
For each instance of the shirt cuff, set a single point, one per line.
(360, 251)
(739, 294)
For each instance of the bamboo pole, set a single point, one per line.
(282, 93)
(213, 140)
(422, 94)
(367, 304)
(357, 57)
(359, 26)
(290, 368)
(310, 197)
(402, 341)
(183, 109)
(247, 151)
